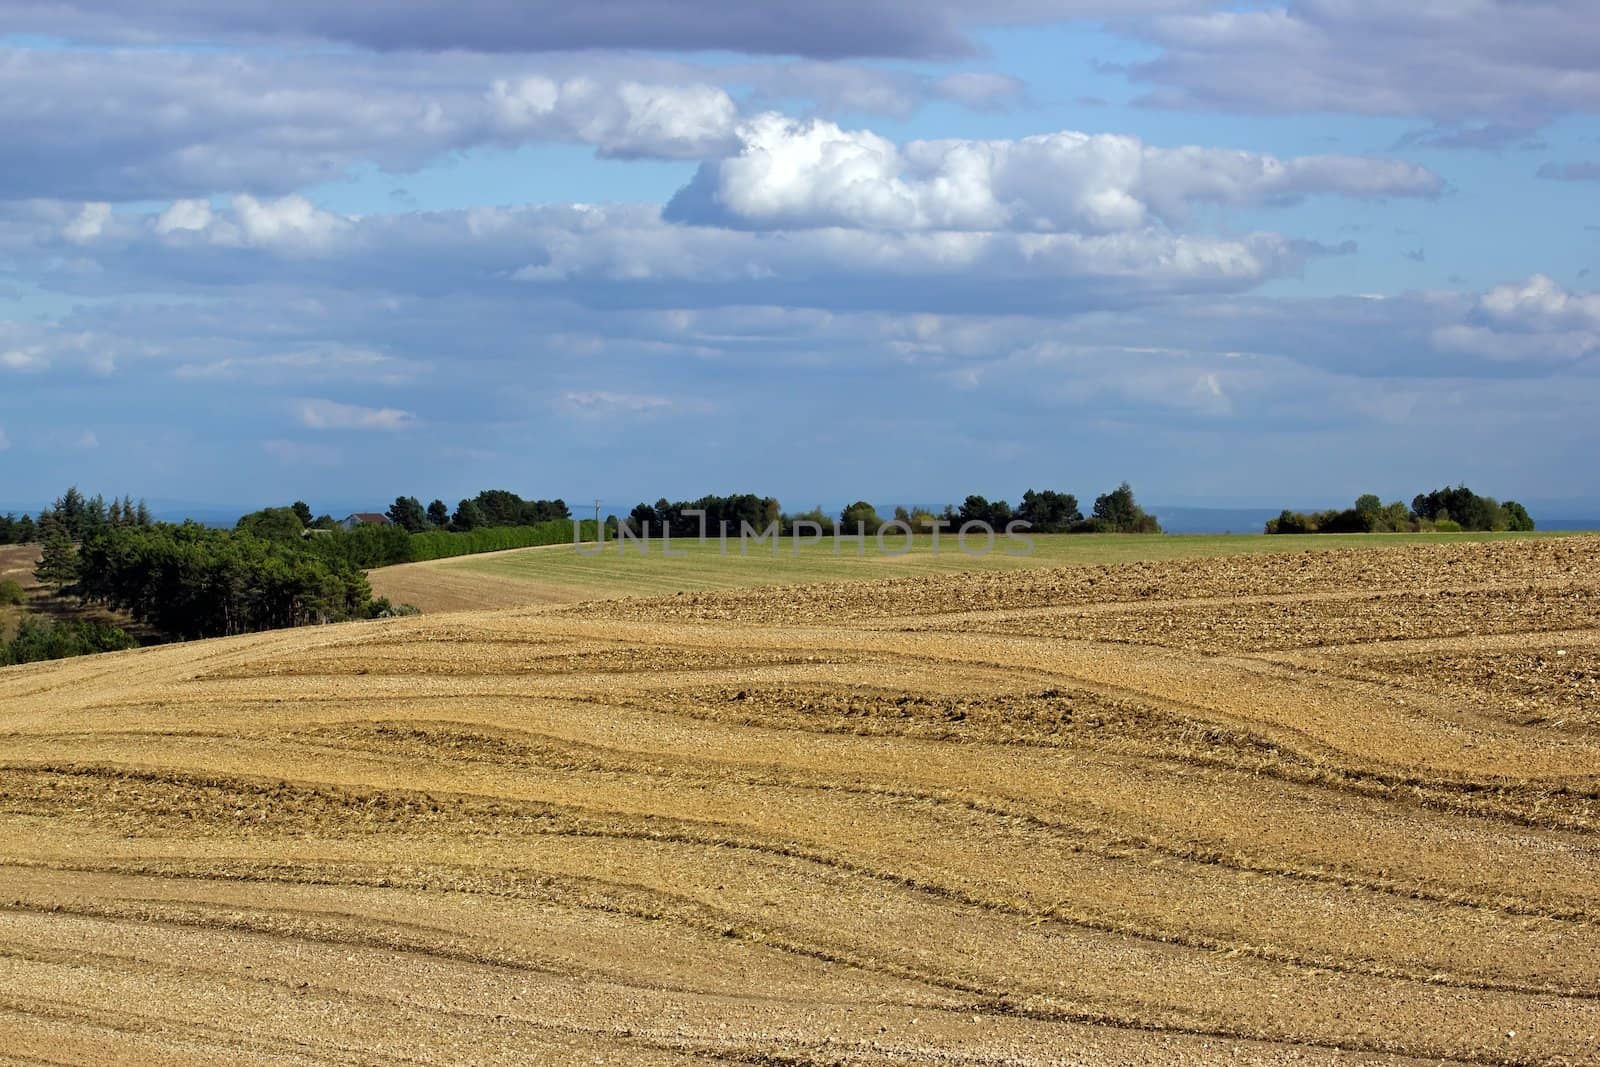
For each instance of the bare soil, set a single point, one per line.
(1340, 807)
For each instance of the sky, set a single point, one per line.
(1238, 254)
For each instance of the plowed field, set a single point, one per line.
(1331, 807)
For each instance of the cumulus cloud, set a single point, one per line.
(1532, 321)
(88, 224)
(799, 174)
(193, 125)
(291, 222)
(1507, 61)
(629, 255)
(622, 119)
(1540, 303)
(184, 215)
(316, 414)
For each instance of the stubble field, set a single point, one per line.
(1305, 808)
(559, 574)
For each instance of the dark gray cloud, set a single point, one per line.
(815, 28)
(132, 125)
(183, 123)
(1506, 63)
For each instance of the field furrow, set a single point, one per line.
(1307, 808)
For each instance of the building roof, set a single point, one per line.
(370, 518)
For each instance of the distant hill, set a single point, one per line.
(1190, 520)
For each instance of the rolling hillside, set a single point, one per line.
(559, 574)
(1306, 808)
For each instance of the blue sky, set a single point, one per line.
(1235, 253)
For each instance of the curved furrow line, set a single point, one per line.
(1041, 1005)
(340, 929)
(554, 820)
(1311, 763)
(133, 1024)
(1113, 843)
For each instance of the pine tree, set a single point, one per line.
(468, 516)
(142, 516)
(58, 561)
(70, 509)
(406, 512)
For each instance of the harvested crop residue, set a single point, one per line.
(1321, 808)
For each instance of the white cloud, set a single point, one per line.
(324, 362)
(185, 215)
(30, 358)
(88, 439)
(1541, 303)
(318, 414)
(1533, 322)
(292, 225)
(290, 222)
(290, 242)
(625, 118)
(88, 224)
(797, 174)
(600, 403)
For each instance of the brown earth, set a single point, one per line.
(440, 585)
(1334, 808)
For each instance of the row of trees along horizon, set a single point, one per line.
(282, 567)
(1449, 510)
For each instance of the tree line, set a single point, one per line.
(1448, 510)
(489, 509)
(1046, 511)
(369, 546)
(73, 515)
(192, 581)
(278, 567)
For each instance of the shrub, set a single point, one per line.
(1121, 513)
(1291, 522)
(1446, 526)
(438, 544)
(11, 592)
(381, 608)
(41, 639)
